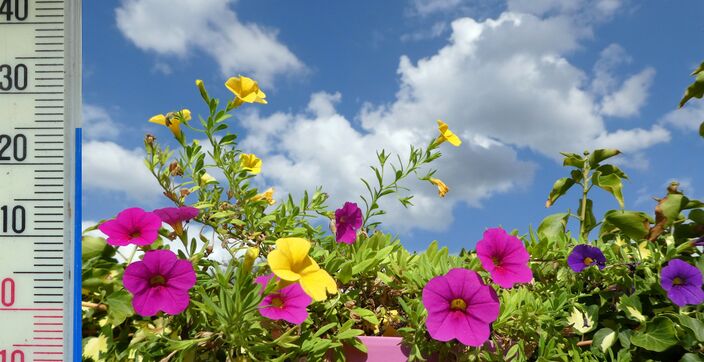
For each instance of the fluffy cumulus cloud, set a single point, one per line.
(687, 119)
(504, 85)
(182, 27)
(108, 166)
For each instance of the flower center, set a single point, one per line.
(135, 234)
(157, 280)
(588, 261)
(496, 260)
(277, 302)
(677, 281)
(458, 304)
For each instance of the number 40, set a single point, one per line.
(20, 12)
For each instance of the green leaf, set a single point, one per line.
(695, 90)
(349, 333)
(633, 224)
(92, 247)
(582, 319)
(630, 305)
(552, 226)
(572, 159)
(560, 187)
(610, 183)
(601, 155)
(345, 273)
(671, 207)
(603, 339)
(658, 335)
(691, 357)
(119, 306)
(94, 346)
(695, 325)
(367, 315)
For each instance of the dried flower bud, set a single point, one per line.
(175, 169)
(185, 192)
(149, 139)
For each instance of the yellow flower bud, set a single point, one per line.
(249, 257)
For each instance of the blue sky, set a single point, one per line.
(519, 80)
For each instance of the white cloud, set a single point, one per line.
(183, 27)
(320, 147)
(433, 32)
(688, 118)
(502, 84)
(108, 166)
(627, 101)
(427, 7)
(98, 124)
(587, 10)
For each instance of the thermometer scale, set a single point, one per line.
(40, 104)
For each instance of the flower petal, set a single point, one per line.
(181, 276)
(136, 278)
(317, 283)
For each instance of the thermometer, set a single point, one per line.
(40, 107)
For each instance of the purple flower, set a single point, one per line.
(160, 282)
(132, 226)
(505, 257)
(584, 256)
(699, 242)
(175, 216)
(348, 220)
(288, 303)
(683, 283)
(460, 306)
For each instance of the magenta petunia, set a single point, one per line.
(175, 216)
(159, 283)
(584, 256)
(505, 257)
(132, 226)
(348, 220)
(460, 306)
(682, 282)
(288, 303)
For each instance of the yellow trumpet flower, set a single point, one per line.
(251, 163)
(245, 90)
(447, 135)
(290, 262)
(442, 188)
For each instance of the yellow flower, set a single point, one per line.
(290, 262)
(251, 163)
(442, 188)
(267, 195)
(172, 120)
(447, 135)
(249, 257)
(245, 90)
(206, 179)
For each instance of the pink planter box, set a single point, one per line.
(380, 349)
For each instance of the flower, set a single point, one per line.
(245, 90)
(348, 219)
(442, 188)
(159, 283)
(699, 242)
(249, 258)
(206, 178)
(251, 163)
(175, 216)
(172, 120)
(290, 262)
(132, 226)
(447, 135)
(267, 195)
(505, 257)
(288, 303)
(683, 283)
(584, 256)
(460, 306)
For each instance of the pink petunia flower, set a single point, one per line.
(505, 257)
(348, 220)
(175, 216)
(460, 306)
(132, 226)
(288, 303)
(159, 283)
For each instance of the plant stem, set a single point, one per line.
(584, 234)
